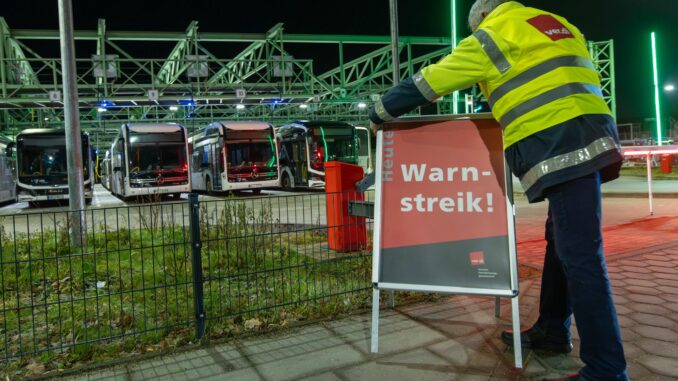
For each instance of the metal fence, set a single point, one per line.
(149, 272)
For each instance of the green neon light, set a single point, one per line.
(656, 89)
(327, 153)
(273, 158)
(455, 95)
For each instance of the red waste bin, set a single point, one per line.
(345, 233)
(665, 163)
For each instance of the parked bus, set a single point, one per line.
(248, 150)
(306, 146)
(7, 177)
(105, 171)
(42, 169)
(149, 159)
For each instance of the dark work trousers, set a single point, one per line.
(575, 279)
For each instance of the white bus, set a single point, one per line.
(306, 146)
(150, 159)
(248, 150)
(7, 176)
(105, 171)
(42, 170)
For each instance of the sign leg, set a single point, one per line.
(392, 299)
(517, 345)
(375, 320)
(497, 307)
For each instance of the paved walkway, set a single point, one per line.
(456, 338)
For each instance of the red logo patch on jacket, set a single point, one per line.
(552, 28)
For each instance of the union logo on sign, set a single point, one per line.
(552, 28)
(477, 258)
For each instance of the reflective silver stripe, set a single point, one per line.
(381, 112)
(537, 71)
(423, 87)
(492, 51)
(548, 97)
(567, 160)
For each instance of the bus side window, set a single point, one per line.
(196, 160)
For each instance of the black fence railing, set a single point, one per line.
(147, 272)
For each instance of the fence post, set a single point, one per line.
(196, 261)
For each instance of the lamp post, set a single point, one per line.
(76, 196)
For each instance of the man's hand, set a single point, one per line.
(374, 127)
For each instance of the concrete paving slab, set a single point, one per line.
(306, 352)
(419, 364)
(662, 365)
(397, 333)
(328, 376)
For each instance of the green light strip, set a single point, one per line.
(273, 158)
(656, 89)
(327, 153)
(455, 95)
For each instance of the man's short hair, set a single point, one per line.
(475, 16)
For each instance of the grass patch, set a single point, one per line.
(131, 290)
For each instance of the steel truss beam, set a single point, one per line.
(602, 53)
(275, 82)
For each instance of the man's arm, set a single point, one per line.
(466, 65)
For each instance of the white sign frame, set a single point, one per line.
(376, 247)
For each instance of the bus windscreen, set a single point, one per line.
(250, 155)
(42, 160)
(154, 156)
(334, 144)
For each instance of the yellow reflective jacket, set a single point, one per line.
(532, 66)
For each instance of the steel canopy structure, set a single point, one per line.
(272, 76)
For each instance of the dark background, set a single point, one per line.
(628, 22)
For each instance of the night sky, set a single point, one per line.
(628, 22)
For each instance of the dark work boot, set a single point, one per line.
(536, 338)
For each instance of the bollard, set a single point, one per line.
(346, 233)
(196, 263)
(665, 163)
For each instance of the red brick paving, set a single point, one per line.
(619, 241)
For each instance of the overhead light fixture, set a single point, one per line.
(105, 103)
(240, 106)
(174, 108)
(46, 119)
(669, 87)
(101, 109)
(303, 106)
(362, 105)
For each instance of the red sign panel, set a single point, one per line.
(443, 182)
(443, 216)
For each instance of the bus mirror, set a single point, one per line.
(9, 151)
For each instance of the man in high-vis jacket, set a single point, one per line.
(561, 141)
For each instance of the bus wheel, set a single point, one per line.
(88, 201)
(33, 204)
(286, 182)
(256, 191)
(176, 196)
